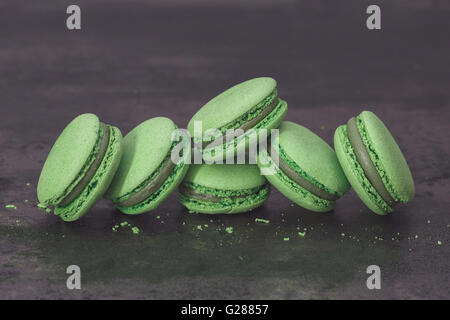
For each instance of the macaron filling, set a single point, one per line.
(366, 163)
(301, 178)
(92, 167)
(151, 184)
(163, 172)
(248, 120)
(205, 195)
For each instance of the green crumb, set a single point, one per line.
(17, 221)
(428, 221)
(199, 227)
(305, 229)
(157, 217)
(206, 226)
(11, 206)
(41, 206)
(135, 230)
(229, 229)
(241, 258)
(292, 204)
(48, 210)
(302, 234)
(262, 220)
(286, 238)
(416, 237)
(342, 234)
(123, 224)
(439, 243)
(28, 184)
(26, 201)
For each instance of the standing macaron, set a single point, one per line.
(148, 171)
(308, 171)
(373, 163)
(222, 188)
(253, 104)
(80, 166)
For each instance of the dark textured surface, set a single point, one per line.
(136, 61)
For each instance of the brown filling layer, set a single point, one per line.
(304, 183)
(154, 184)
(194, 194)
(366, 163)
(244, 127)
(78, 189)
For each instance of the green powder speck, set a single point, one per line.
(342, 234)
(11, 206)
(416, 237)
(199, 227)
(135, 230)
(157, 217)
(262, 220)
(428, 221)
(26, 201)
(229, 229)
(286, 238)
(48, 210)
(439, 243)
(302, 234)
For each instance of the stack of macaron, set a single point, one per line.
(91, 160)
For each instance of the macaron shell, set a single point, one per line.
(356, 176)
(232, 103)
(214, 208)
(166, 189)
(99, 183)
(225, 176)
(68, 156)
(291, 190)
(272, 121)
(313, 155)
(145, 148)
(390, 158)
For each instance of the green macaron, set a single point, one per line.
(307, 172)
(148, 172)
(222, 188)
(253, 104)
(79, 167)
(373, 163)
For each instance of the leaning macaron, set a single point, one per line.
(373, 163)
(253, 104)
(223, 188)
(149, 170)
(79, 167)
(305, 168)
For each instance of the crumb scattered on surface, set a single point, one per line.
(10, 206)
(262, 220)
(135, 230)
(229, 229)
(439, 243)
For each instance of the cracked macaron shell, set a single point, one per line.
(387, 158)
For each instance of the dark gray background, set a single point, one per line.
(134, 60)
